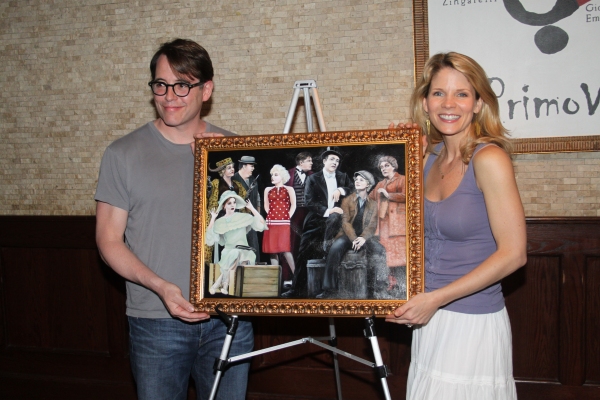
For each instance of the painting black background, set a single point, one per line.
(354, 158)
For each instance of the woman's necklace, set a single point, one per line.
(440, 166)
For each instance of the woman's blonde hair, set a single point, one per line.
(486, 126)
(285, 175)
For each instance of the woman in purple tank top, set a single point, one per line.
(474, 237)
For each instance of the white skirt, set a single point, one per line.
(462, 357)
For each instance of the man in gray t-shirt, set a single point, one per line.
(143, 231)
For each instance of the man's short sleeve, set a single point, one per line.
(112, 187)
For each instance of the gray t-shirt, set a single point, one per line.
(152, 179)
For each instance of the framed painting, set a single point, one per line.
(312, 224)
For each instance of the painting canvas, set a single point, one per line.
(308, 224)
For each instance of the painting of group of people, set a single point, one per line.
(310, 207)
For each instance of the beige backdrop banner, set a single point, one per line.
(541, 55)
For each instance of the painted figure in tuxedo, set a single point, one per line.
(298, 175)
(246, 165)
(323, 193)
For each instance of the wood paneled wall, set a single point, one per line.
(63, 332)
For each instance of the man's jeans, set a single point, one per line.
(166, 352)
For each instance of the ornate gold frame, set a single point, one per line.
(521, 146)
(409, 138)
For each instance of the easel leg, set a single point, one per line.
(309, 121)
(379, 366)
(309, 90)
(221, 363)
(318, 109)
(336, 366)
(290, 114)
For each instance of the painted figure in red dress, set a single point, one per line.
(280, 205)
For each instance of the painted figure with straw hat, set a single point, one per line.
(228, 228)
(226, 170)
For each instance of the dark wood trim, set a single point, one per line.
(420, 36)
(48, 231)
(563, 220)
(552, 303)
(568, 144)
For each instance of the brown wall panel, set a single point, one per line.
(62, 291)
(574, 241)
(532, 299)
(572, 320)
(64, 332)
(592, 321)
(63, 321)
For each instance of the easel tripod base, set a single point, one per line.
(222, 363)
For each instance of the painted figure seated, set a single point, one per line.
(354, 230)
(229, 228)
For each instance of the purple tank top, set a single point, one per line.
(458, 238)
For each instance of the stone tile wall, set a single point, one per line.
(561, 184)
(73, 79)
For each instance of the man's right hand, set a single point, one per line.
(336, 210)
(178, 306)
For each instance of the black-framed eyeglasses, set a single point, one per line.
(180, 89)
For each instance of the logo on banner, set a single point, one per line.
(550, 39)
